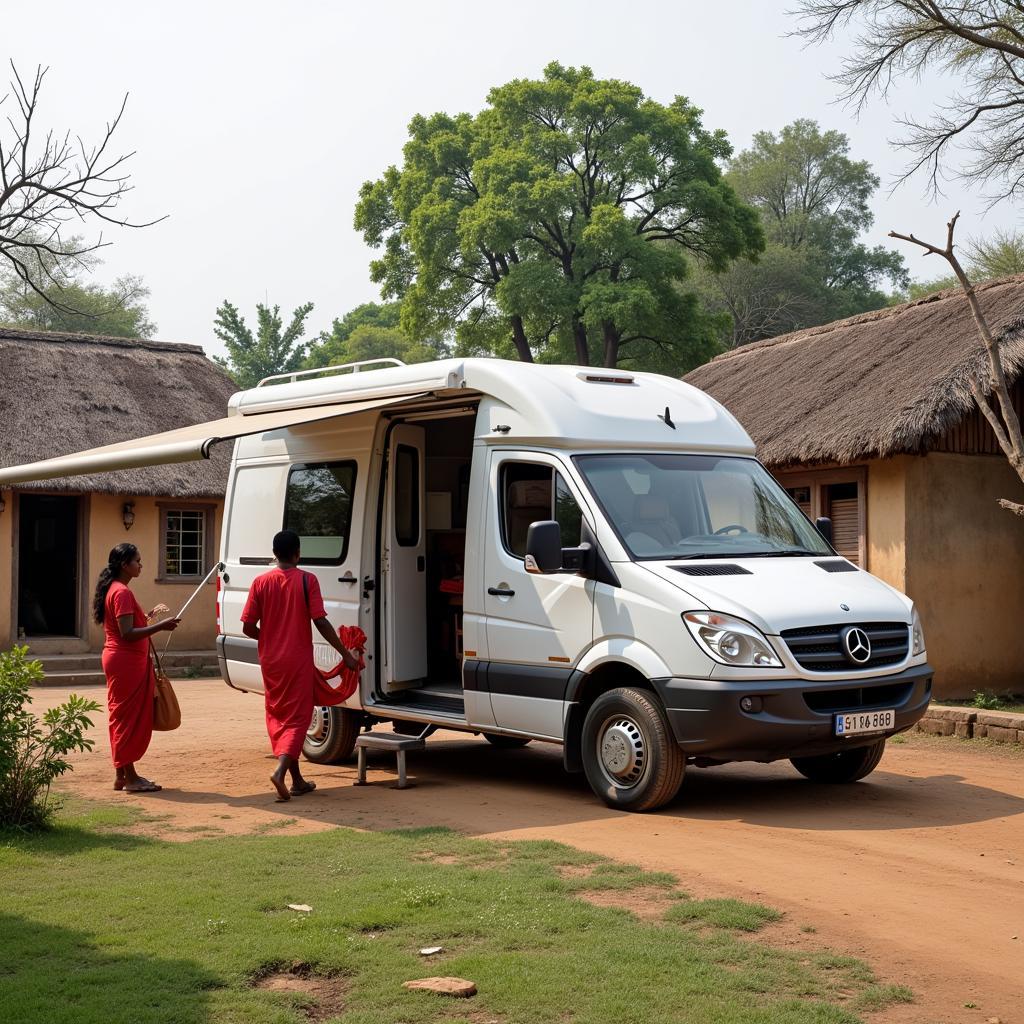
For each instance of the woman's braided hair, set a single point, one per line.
(119, 557)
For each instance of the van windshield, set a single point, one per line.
(698, 506)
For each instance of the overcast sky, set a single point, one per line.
(255, 123)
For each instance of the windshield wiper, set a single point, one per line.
(800, 552)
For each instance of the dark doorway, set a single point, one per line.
(47, 565)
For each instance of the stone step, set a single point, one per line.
(75, 670)
(58, 663)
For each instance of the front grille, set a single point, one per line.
(893, 695)
(820, 648)
(716, 569)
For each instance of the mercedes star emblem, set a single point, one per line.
(856, 645)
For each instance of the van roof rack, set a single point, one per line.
(360, 366)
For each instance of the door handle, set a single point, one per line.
(500, 592)
(347, 579)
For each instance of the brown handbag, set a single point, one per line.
(166, 710)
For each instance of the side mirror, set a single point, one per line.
(824, 527)
(544, 546)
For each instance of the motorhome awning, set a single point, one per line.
(187, 444)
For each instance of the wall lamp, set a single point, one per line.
(128, 514)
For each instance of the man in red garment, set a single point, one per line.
(277, 615)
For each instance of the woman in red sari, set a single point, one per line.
(127, 666)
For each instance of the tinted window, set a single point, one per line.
(407, 496)
(318, 507)
(526, 497)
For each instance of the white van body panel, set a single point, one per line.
(786, 593)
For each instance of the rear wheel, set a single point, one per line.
(505, 742)
(630, 756)
(332, 735)
(843, 766)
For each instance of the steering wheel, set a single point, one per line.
(735, 528)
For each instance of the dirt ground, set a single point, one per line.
(919, 870)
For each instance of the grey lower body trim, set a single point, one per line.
(708, 722)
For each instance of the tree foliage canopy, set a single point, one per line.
(370, 331)
(980, 43)
(813, 201)
(272, 349)
(556, 222)
(84, 308)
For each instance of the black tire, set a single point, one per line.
(843, 766)
(332, 735)
(505, 742)
(630, 756)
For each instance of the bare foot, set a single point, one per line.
(305, 786)
(282, 790)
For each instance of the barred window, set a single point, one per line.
(185, 542)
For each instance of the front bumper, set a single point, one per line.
(796, 716)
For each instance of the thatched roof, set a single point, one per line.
(62, 393)
(873, 385)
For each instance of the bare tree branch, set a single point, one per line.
(46, 188)
(1003, 418)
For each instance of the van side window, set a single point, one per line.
(527, 496)
(318, 507)
(407, 496)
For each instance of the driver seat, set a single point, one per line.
(651, 516)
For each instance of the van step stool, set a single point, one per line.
(399, 744)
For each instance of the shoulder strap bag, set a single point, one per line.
(166, 710)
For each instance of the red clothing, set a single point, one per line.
(278, 602)
(130, 680)
(348, 682)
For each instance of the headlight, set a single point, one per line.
(731, 641)
(916, 635)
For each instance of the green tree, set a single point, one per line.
(556, 223)
(370, 331)
(82, 308)
(271, 350)
(813, 201)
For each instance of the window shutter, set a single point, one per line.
(846, 528)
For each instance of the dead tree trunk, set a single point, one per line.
(1001, 415)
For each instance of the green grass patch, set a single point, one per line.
(744, 917)
(101, 926)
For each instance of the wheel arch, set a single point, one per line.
(584, 689)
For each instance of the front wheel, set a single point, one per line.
(630, 757)
(843, 766)
(332, 734)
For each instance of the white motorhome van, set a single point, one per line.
(581, 556)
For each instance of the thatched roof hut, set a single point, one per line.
(64, 393)
(872, 386)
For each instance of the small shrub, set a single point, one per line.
(33, 751)
(985, 701)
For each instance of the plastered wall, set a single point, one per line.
(106, 529)
(965, 556)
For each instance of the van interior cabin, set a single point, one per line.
(425, 669)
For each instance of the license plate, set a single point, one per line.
(865, 721)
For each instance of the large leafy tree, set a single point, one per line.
(370, 331)
(556, 223)
(273, 348)
(813, 201)
(83, 308)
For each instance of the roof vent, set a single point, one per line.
(719, 569)
(837, 565)
(605, 378)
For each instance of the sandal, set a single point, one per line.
(306, 787)
(283, 796)
(142, 786)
